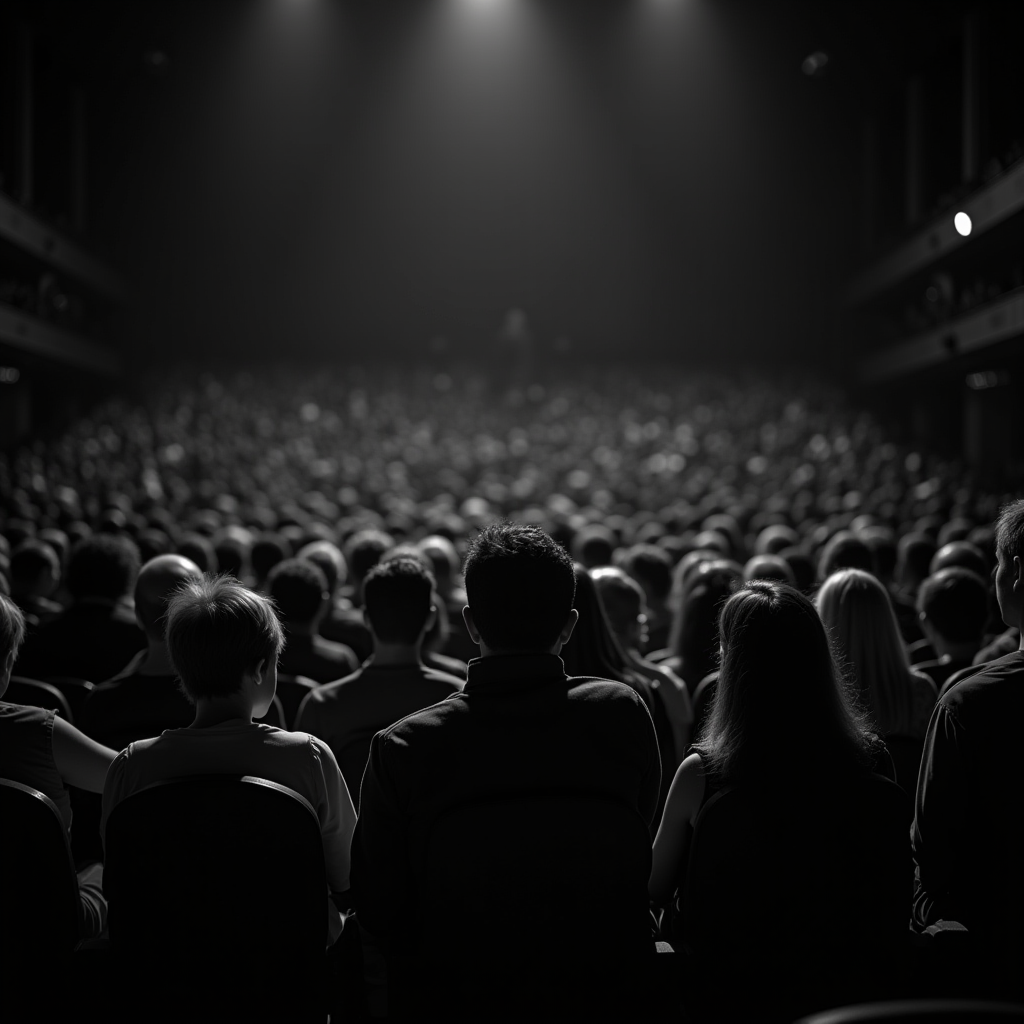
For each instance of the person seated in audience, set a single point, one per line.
(300, 591)
(773, 643)
(363, 551)
(593, 546)
(97, 634)
(519, 731)
(399, 607)
(446, 567)
(856, 610)
(845, 550)
(199, 549)
(968, 830)
(224, 641)
(35, 575)
(144, 698)
(961, 553)
(267, 550)
(622, 599)
(953, 609)
(40, 749)
(768, 567)
(231, 548)
(915, 552)
(327, 557)
(651, 567)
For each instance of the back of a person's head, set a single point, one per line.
(327, 556)
(774, 538)
(593, 545)
(102, 566)
(915, 552)
(845, 550)
(443, 558)
(364, 549)
(694, 636)
(961, 553)
(199, 549)
(621, 596)
(777, 677)
(267, 550)
(858, 614)
(881, 541)
(157, 581)
(955, 529)
(12, 629)
(217, 630)
(1010, 531)
(232, 553)
(520, 586)
(299, 589)
(593, 649)
(955, 602)
(651, 567)
(398, 595)
(768, 567)
(35, 569)
(802, 566)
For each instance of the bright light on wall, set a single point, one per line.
(962, 223)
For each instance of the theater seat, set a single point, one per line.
(76, 691)
(795, 898)
(944, 1011)
(37, 694)
(218, 901)
(39, 905)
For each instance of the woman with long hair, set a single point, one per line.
(857, 612)
(779, 688)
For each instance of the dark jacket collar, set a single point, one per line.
(498, 672)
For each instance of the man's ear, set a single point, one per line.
(570, 625)
(467, 618)
(258, 671)
(1018, 580)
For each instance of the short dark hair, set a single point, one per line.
(218, 629)
(31, 560)
(844, 551)
(651, 567)
(299, 589)
(955, 602)
(1010, 530)
(102, 565)
(520, 586)
(363, 551)
(961, 553)
(267, 550)
(398, 595)
(12, 627)
(593, 545)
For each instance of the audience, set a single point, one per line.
(144, 698)
(399, 608)
(300, 592)
(524, 736)
(651, 567)
(224, 641)
(35, 572)
(968, 830)
(97, 634)
(41, 750)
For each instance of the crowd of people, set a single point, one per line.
(519, 646)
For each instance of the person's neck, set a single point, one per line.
(157, 661)
(396, 655)
(217, 711)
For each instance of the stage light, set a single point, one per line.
(962, 223)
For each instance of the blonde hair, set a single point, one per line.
(858, 614)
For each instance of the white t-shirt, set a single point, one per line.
(293, 759)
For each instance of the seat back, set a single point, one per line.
(37, 694)
(541, 899)
(39, 904)
(803, 886)
(209, 874)
(74, 689)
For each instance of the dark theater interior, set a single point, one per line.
(453, 452)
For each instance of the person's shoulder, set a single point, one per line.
(425, 721)
(985, 680)
(595, 689)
